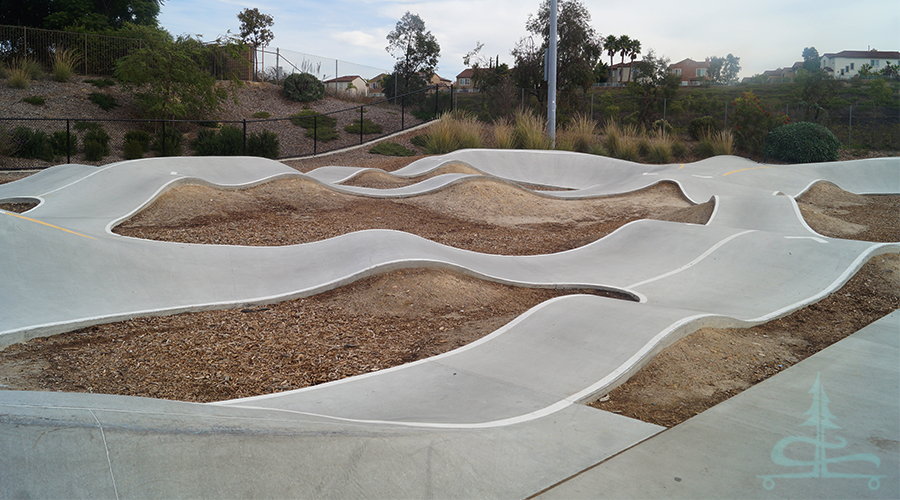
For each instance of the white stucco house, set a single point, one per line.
(350, 84)
(845, 64)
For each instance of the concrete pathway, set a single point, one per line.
(497, 418)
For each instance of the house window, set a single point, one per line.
(701, 71)
(851, 65)
(466, 81)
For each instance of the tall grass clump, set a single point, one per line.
(660, 149)
(503, 133)
(64, 62)
(455, 130)
(530, 131)
(18, 79)
(715, 144)
(622, 141)
(578, 135)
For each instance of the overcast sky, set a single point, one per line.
(765, 34)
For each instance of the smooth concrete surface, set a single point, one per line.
(828, 427)
(498, 418)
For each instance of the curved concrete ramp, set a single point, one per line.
(495, 418)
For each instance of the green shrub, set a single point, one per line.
(419, 140)
(96, 144)
(309, 118)
(28, 143)
(264, 144)
(133, 149)
(303, 87)
(101, 83)
(530, 131)
(35, 100)
(802, 142)
(321, 133)
(30, 68)
(105, 101)
(261, 114)
(502, 132)
(660, 152)
(82, 126)
(391, 149)
(228, 141)
(662, 126)
(679, 150)
(752, 122)
(141, 136)
(58, 143)
(701, 126)
(368, 127)
(172, 140)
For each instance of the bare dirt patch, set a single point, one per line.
(375, 323)
(481, 215)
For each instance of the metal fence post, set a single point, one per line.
(163, 138)
(361, 124)
(245, 136)
(402, 111)
(850, 128)
(436, 90)
(68, 143)
(315, 134)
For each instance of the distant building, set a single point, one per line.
(465, 81)
(620, 74)
(349, 84)
(845, 64)
(692, 73)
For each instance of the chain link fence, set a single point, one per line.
(37, 143)
(97, 54)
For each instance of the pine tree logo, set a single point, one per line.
(822, 420)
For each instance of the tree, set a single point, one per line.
(652, 84)
(100, 15)
(168, 81)
(528, 72)
(611, 45)
(416, 51)
(811, 59)
(493, 81)
(634, 48)
(623, 43)
(724, 70)
(578, 48)
(255, 30)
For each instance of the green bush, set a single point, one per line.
(28, 143)
(105, 101)
(752, 122)
(264, 144)
(261, 114)
(82, 126)
(141, 136)
(391, 149)
(303, 87)
(96, 144)
(133, 149)
(309, 118)
(321, 133)
(802, 142)
(173, 140)
(368, 127)
(701, 126)
(101, 83)
(419, 140)
(35, 100)
(58, 143)
(662, 126)
(63, 65)
(228, 141)
(18, 79)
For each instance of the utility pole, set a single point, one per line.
(551, 78)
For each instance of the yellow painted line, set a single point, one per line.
(48, 225)
(682, 166)
(741, 170)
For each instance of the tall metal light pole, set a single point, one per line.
(551, 78)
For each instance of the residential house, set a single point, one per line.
(375, 86)
(464, 81)
(845, 64)
(440, 82)
(692, 73)
(349, 84)
(619, 74)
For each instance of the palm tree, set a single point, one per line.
(634, 48)
(623, 43)
(611, 42)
